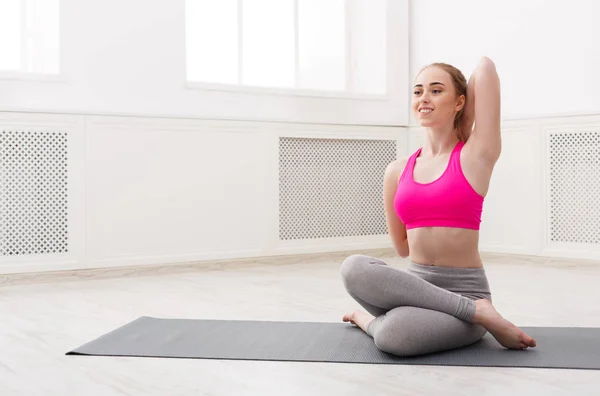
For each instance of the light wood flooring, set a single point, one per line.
(43, 316)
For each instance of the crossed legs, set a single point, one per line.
(409, 316)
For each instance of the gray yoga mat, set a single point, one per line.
(558, 347)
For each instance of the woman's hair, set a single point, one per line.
(460, 85)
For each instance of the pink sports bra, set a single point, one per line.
(449, 201)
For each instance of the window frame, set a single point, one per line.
(22, 75)
(290, 91)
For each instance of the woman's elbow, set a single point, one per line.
(486, 62)
(403, 253)
(402, 250)
(486, 68)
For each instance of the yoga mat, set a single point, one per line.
(557, 347)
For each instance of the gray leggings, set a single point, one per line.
(423, 310)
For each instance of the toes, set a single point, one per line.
(530, 341)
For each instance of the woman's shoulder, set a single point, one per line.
(395, 169)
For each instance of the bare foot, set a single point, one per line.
(359, 318)
(503, 331)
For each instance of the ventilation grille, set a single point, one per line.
(33, 193)
(575, 187)
(332, 187)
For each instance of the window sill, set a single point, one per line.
(283, 91)
(25, 76)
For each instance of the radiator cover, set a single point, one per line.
(332, 188)
(33, 193)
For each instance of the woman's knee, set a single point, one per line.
(401, 332)
(352, 266)
(392, 339)
(401, 346)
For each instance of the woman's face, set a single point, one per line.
(434, 101)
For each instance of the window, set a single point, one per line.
(303, 45)
(29, 36)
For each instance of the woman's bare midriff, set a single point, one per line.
(445, 247)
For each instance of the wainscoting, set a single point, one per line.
(138, 191)
(92, 191)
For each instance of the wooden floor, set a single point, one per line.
(45, 316)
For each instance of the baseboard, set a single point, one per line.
(68, 273)
(507, 249)
(62, 274)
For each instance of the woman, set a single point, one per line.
(433, 202)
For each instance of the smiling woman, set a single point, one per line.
(458, 88)
(433, 203)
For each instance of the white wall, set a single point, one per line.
(547, 56)
(546, 52)
(149, 190)
(155, 178)
(128, 58)
(162, 173)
